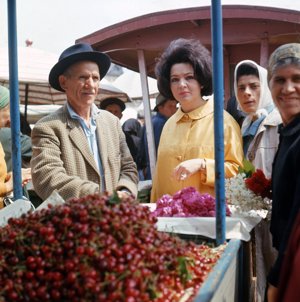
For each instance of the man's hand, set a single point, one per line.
(123, 194)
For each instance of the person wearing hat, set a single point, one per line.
(284, 83)
(80, 149)
(114, 106)
(164, 109)
(5, 133)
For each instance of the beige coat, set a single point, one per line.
(62, 159)
(262, 150)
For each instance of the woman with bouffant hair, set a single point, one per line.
(185, 51)
(186, 150)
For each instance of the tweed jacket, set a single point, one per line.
(62, 160)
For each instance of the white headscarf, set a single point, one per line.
(265, 100)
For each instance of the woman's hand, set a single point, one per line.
(26, 177)
(189, 167)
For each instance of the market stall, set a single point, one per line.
(73, 236)
(224, 280)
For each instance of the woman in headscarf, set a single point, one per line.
(6, 179)
(5, 133)
(260, 142)
(259, 128)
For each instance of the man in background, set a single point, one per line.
(131, 127)
(232, 108)
(164, 109)
(114, 106)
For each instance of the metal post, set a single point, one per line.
(14, 98)
(147, 111)
(264, 51)
(217, 56)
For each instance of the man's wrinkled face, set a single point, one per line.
(81, 83)
(5, 117)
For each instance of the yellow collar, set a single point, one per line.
(196, 114)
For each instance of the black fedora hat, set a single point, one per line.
(76, 53)
(112, 100)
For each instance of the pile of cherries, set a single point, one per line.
(98, 248)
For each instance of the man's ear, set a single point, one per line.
(62, 81)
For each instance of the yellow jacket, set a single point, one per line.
(191, 135)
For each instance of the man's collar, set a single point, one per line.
(94, 112)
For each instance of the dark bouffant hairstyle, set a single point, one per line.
(246, 69)
(184, 51)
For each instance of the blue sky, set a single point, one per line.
(53, 25)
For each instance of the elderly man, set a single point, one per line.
(80, 149)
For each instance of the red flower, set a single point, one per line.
(259, 184)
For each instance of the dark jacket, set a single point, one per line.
(132, 131)
(285, 191)
(158, 122)
(290, 273)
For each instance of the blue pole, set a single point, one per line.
(217, 56)
(14, 98)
